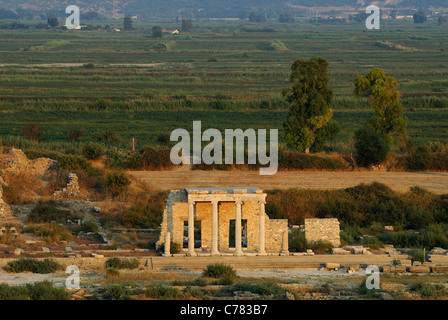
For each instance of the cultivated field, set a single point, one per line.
(435, 182)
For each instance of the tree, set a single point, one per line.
(420, 16)
(441, 20)
(384, 99)
(286, 18)
(253, 17)
(157, 32)
(53, 22)
(74, 135)
(31, 131)
(371, 147)
(309, 98)
(127, 24)
(187, 25)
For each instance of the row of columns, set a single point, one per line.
(215, 231)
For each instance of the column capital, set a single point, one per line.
(262, 201)
(214, 201)
(191, 202)
(239, 201)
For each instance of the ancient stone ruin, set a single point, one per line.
(71, 192)
(5, 210)
(222, 221)
(323, 230)
(14, 160)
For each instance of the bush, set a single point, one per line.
(117, 182)
(37, 291)
(161, 292)
(92, 151)
(117, 292)
(429, 290)
(264, 288)
(52, 232)
(46, 213)
(32, 265)
(174, 248)
(31, 131)
(117, 263)
(371, 147)
(297, 241)
(218, 271)
(417, 255)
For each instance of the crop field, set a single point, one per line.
(226, 74)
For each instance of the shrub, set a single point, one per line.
(117, 292)
(92, 151)
(371, 147)
(31, 131)
(46, 213)
(218, 271)
(161, 292)
(36, 291)
(117, 182)
(321, 246)
(174, 248)
(117, 263)
(417, 255)
(52, 232)
(264, 288)
(297, 241)
(32, 265)
(428, 290)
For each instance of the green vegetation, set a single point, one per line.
(309, 98)
(37, 291)
(32, 265)
(120, 263)
(220, 271)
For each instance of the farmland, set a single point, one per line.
(227, 74)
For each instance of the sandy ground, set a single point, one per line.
(436, 182)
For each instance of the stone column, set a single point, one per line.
(238, 247)
(167, 244)
(285, 246)
(262, 229)
(191, 251)
(215, 250)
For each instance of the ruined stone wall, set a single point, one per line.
(324, 230)
(176, 214)
(15, 160)
(71, 192)
(274, 234)
(5, 210)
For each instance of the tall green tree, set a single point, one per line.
(127, 24)
(309, 98)
(384, 98)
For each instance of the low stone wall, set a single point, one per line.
(323, 230)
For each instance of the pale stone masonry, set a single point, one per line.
(5, 210)
(214, 209)
(323, 230)
(71, 192)
(14, 160)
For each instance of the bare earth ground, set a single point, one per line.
(436, 182)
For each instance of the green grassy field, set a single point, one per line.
(227, 74)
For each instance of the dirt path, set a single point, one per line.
(436, 182)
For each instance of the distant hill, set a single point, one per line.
(208, 8)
